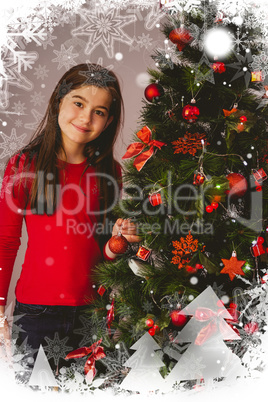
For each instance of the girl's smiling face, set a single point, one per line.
(84, 114)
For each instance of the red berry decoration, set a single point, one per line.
(243, 119)
(214, 205)
(181, 37)
(178, 318)
(152, 331)
(153, 92)
(190, 113)
(149, 322)
(209, 209)
(118, 244)
(238, 185)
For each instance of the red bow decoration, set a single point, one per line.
(205, 314)
(145, 134)
(110, 317)
(96, 353)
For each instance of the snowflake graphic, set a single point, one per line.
(65, 57)
(260, 63)
(104, 29)
(37, 116)
(240, 40)
(11, 143)
(147, 306)
(87, 331)
(18, 123)
(5, 185)
(144, 41)
(37, 99)
(2, 166)
(191, 366)
(218, 290)
(73, 4)
(19, 108)
(64, 89)
(48, 41)
(72, 379)
(242, 66)
(114, 362)
(41, 72)
(56, 349)
(97, 75)
(174, 6)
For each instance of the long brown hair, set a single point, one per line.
(46, 142)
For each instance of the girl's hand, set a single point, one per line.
(128, 230)
(5, 339)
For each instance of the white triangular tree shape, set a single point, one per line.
(42, 374)
(208, 356)
(144, 375)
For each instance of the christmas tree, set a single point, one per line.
(194, 182)
(207, 357)
(144, 375)
(42, 375)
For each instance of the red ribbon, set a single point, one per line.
(96, 353)
(145, 135)
(205, 314)
(110, 317)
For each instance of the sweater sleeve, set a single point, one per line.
(11, 217)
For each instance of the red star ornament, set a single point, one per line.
(232, 267)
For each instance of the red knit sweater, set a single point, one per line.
(61, 249)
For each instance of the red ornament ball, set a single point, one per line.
(178, 318)
(209, 208)
(181, 37)
(149, 322)
(238, 185)
(153, 92)
(118, 244)
(190, 113)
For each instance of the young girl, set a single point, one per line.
(63, 183)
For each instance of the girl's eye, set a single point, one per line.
(79, 104)
(99, 112)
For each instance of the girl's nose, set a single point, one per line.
(85, 116)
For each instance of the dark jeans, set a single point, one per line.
(59, 329)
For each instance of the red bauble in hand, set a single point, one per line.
(238, 185)
(178, 318)
(118, 244)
